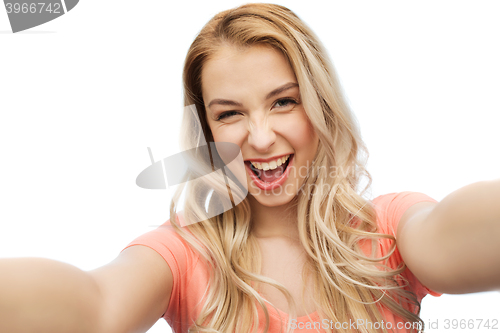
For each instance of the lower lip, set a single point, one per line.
(277, 183)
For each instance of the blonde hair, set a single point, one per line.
(334, 220)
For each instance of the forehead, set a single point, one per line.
(233, 72)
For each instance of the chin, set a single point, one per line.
(270, 199)
(273, 201)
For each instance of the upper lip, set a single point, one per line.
(265, 160)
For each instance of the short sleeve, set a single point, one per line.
(168, 244)
(174, 250)
(389, 209)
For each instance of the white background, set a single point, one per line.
(82, 97)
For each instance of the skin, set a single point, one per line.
(438, 242)
(252, 99)
(451, 246)
(430, 237)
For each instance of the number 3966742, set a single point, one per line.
(33, 8)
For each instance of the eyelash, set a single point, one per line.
(225, 114)
(230, 113)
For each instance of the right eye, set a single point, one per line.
(227, 114)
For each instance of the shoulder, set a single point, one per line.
(393, 212)
(390, 208)
(174, 249)
(190, 273)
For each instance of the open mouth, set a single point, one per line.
(270, 172)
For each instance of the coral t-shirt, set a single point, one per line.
(191, 275)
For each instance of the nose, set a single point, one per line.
(261, 135)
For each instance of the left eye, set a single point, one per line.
(227, 114)
(284, 102)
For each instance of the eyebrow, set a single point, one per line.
(279, 90)
(273, 93)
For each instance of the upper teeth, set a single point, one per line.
(270, 165)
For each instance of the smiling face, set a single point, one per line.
(252, 99)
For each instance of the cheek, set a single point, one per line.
(214, 130)
(304, 137)
(300, 134)
(234, 133)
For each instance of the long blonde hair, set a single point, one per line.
(334, 220)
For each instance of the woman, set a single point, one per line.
(260, 80)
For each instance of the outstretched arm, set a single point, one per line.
(454, 246)
(43, 295)
(127, 295)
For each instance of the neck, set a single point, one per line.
(274, 222)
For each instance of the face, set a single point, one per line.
(252, 99)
